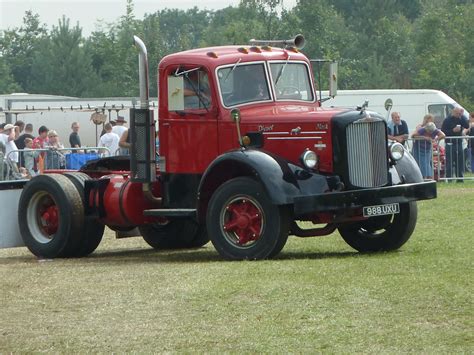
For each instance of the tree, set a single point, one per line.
(114, 57)
(62, 66)
(7, 82)
(442, 57)
(19, 45)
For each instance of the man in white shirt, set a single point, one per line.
(119, 127)
(109, 140)
(7, 137)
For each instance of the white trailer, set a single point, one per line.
(412, 104)
(59, 112)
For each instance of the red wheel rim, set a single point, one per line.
(48, 216)
(242, 221)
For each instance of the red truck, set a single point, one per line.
(246, 152)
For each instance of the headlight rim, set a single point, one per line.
(397, 151)
(306, 156)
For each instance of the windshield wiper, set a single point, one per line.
(281, 70)
(230, 71)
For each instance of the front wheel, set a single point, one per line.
(383, 233)
(243, 223)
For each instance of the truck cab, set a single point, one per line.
(246, 152)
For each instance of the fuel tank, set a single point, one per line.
(122, 202)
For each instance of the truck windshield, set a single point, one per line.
(291, 81)
(245, 83)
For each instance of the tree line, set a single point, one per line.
(379, 44)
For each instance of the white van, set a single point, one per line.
(412, 104)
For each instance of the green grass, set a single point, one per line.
(318, 295)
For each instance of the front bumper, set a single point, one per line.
(345, 200)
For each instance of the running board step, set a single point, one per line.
(171, 212)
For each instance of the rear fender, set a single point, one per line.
(282, 180)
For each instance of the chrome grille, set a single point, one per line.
(367, 153)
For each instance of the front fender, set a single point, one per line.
(406, 170)
(282, 180)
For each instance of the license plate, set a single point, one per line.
(381, 210)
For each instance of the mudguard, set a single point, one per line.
(406, 170)
(283, 181)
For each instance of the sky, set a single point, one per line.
(92, 12)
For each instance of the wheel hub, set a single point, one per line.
(243, 219)
(49, 219)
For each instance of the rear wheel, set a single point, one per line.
(92, 229)
(383, 233)
(51, 215)
(243, 223)
(174, 234)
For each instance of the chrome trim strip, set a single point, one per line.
(292, 138)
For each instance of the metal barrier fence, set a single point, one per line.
(447, 160)
(450, 159)
(32, 162)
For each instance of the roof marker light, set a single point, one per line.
(212, 54)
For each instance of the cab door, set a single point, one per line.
(188, 124)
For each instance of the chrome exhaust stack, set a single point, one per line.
(142, 131)
(143, 72)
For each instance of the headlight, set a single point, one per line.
(397, 151)
(309, 159)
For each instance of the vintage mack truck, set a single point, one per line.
(246, 152)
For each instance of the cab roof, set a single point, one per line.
(213, 57)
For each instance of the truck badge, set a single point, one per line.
(262, 128)
(295, 131)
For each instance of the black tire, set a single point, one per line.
(174, 234)
(51, 216)
(243, 223)
(92, 230)
(383, 233)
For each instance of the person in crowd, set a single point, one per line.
(109, 140)
(124, 143)
(28, 133)
(424, 136)
(7, 137)
(470, 132)
(119, 127)
(8, 169)
(20, 141)
(19, 127)
(2, 125)
(29, 157)
(55, 159)
(74, 139)
(420, 142)
(39, 143)
(452, 127)
(397, 129)
(112, 124)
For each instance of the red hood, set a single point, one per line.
(289, 112)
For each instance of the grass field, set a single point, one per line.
(317, 296)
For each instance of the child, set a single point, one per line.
(29, 156)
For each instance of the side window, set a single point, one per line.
(197, 92)
(440, 112)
